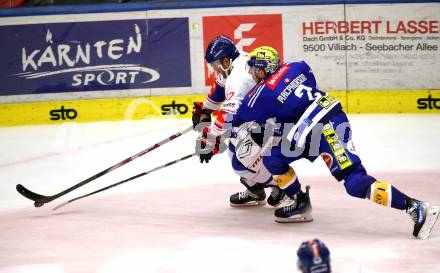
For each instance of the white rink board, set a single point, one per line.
(334, 67)
(415, 68)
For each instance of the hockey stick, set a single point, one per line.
(126, 180)
(40, 200)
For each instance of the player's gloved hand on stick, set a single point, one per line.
(200, 115)
(208, 145)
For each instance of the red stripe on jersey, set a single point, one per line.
(211, 101)
(314, 248)
(229, 111)
(220, 121)
(213, 87)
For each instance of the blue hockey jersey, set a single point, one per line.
(290, 95)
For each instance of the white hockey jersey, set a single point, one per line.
(236, 86)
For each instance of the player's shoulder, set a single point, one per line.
(260, 92)
(300, 65)
(239, 77)
(243, 54)
(295, 69)
(242, 83)
(240, 62)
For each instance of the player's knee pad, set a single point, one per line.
(357, 182)
(247, 150)
(236, 164)
(380, 193)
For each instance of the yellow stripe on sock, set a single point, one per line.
(286, 179)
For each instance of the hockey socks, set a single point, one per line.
(385, 194)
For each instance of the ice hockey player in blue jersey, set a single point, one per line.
(313, 257)
(232, 83)
(300, 121)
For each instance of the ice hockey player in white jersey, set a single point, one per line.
(232, 83)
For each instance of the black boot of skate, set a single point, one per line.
(424, 217)
(298, 210)
(276, 196)
(253, 196)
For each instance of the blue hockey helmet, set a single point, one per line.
(221, 47)
(313, 257)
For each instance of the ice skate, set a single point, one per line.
(299, 209)
(253, 196)
(276, 197)
(424, 217)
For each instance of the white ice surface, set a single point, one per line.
(178, 219)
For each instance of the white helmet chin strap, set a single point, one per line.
(228, 69)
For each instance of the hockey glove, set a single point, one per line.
(208, 145)
(200, 115)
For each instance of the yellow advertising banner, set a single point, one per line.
(117, 109)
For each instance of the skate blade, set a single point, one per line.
(300, 219)
(431, 218)
(249, 204)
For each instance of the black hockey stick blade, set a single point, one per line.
(41, 199)
(37, 198)
(126, 180)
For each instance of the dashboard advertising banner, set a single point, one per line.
(375, 58)
(91, 56)
(374, 46)
(247, 31)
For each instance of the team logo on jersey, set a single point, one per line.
(273, 80)
(245, 149)
(247, 31)
(336, 146)
(328, 159)
(326, 101)
(343, 160)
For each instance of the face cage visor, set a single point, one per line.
(213, 67)
(256, 65)
(250, 68)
